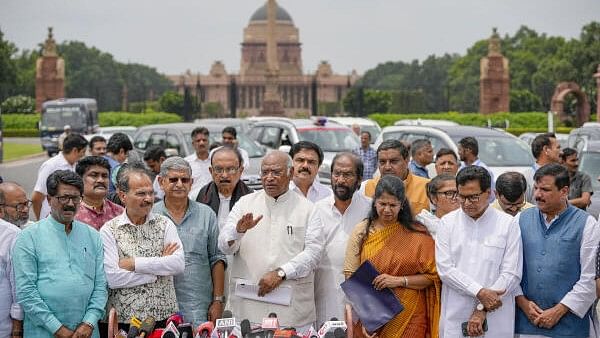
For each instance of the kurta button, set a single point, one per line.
(545, 236)
(543, 253)
(539, 269)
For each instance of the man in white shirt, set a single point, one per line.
(479, 259)
(199, 161)
(545, 148)
(11, 314)
(557, 292)
(229, 138)
(154, 156)
(307, 158)
(277, 238)
(340, 213)
(142, 253)
(74, 149)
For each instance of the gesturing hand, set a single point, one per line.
(170, 249)
(247, 222)
(490, 298)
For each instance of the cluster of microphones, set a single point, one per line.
(228, 327)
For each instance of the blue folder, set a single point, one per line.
(374, 308)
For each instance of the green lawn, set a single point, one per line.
(14, 151)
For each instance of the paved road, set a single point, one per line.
(23, 172)
(22, 140)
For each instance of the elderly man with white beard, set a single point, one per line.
(340, 214)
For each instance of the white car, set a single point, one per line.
(365, 125)
(425, 122)
(107, 132)
(499, 150)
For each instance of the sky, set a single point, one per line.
(176, 35)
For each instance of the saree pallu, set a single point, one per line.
(396, 251)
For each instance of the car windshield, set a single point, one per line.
(333, 140)
(497, 151)
(253, 149)
(589, 163)
(55, 118)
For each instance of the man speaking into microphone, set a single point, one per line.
(276, 236)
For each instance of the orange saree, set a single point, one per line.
(396, 251)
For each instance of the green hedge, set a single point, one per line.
(529, 121)
(28, 122)
(21, 132)
(136, 119)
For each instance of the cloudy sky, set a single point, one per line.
(175, 35)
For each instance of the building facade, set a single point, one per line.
(242, 94)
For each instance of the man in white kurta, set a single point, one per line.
(479, 260)
(340, 214)
(276, 236)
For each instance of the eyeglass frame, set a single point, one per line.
(445, 193)
(474, 198)
(19, 206)
(229, 170)
(68, 198)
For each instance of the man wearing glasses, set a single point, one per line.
(200, 289)
(479, 257)
(142, 253)
(510, 190)
(226, 187)
(276, 236)
(59, 273)
(14, 208)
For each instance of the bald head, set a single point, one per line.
(276, 173)
(14, 205)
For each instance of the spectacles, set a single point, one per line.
(346, 175)
(184, 180)
(275, 173)
(471, 198)
(230, 170)
(66, 198)
(19, 206)
(450, 194)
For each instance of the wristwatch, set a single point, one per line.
(480, 307)
(280, 273)
(219, 299)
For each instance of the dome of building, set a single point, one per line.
(261, 14)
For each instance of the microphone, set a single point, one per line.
(270, 325)
(134, 327)
(330, 326)
(147, 327)
(185, 330)
(156, 333)
(204, 330)
(245, 328)
(176, 318)
(170, 331)
(226, 324)
(339, 333)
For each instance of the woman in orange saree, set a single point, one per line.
(403, 253)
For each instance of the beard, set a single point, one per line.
(343, 192)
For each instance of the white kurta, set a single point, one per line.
(475, 254)
(329, 297)
(316, 192)
(290, 237)
(200, 174)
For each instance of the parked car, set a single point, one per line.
(562, 138)
(579, 137)
(240, 125)
(589, 163)
(365, 125)
(282, 133)
(499, 150)
(176, 139)
(425, 122)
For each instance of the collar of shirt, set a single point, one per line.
(316, 187)
(223, 198)
(101, 211)
(193, 208)
(60, 161)
(545, 217)
(123, 219)
(281, 199)
(9, 227)
(357, 198)
(484, 218)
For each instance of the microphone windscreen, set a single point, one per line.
(272, 315)
(227, 314)
(245, 327)
(147, 325)
(334, 319)
(339, 333)
(205, 329)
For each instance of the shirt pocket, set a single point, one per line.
(493, 249)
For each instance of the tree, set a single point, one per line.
(171, 102)
(8, 70)
(525, 101)
(18, 105)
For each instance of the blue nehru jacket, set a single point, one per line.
(551, 267)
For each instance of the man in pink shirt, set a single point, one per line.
(95, 209)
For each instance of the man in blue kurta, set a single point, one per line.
(58, 265)
(200, 289)
(559, 246)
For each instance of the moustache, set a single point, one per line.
(69, 208)
(100, 185)
(225, 181)
(304, 170)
